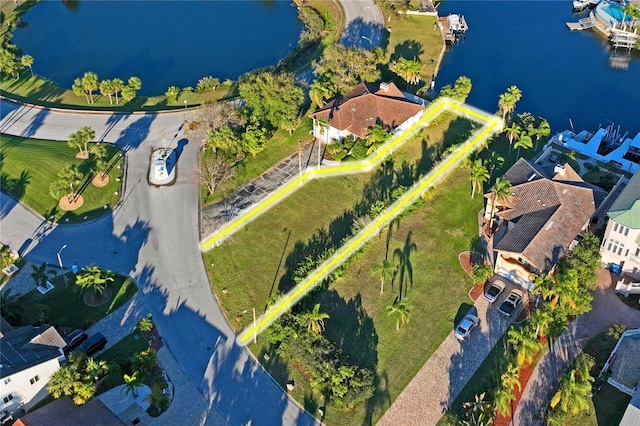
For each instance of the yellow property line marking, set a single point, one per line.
(492, 125)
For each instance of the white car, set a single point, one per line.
(468, 323)
(511, 303)
(494, 291)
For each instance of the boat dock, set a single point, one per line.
(453, 26)
(582, 24)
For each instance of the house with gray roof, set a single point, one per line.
(28, 358)
(621, 243)
(540, 219)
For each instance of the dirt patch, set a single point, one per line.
(98, 299)
(468, 259)
(476, 291)
(100, 181)
(82, 155)
(154, 338)
(71, 202)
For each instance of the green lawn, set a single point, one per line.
(125, 349)
(66, 305)
(28, 166)
(260, 260)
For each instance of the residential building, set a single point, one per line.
(28, 358)
(63, 412)
(364, 107)
(539, 221)
(621, 243)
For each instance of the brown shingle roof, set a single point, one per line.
(367, 105)
(547, 214)
(63, 412)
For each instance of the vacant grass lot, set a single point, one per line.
(66, 305)
(259, 261)
(28, 166)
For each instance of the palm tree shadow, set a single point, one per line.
(405, 268)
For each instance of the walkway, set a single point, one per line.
(447, 371)
(544, 381)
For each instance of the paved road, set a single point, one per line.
(153, 236)
(545, 379)
(363, 24)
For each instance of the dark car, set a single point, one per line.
(93, 344)
(511, 303)
(74, 338)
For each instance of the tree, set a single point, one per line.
(90, 83)
(172, 93)
(143, 362)
(213, 172)
(9, 62)
(383, 270)
(129, 91)
(106, 89)
(513, 132)
(78, 89)
(94, 279)
(135, 83)
(479, 175)
(81, 139)
(507, 101)
(478, 412)
(157, 398)
(525, 342)
(481, 272)
(344, 67)
(131, 384)
(459, 91)
(117, 85)
(41, 274)
(524, 141)
(145, 324)
(401, 310)
(542, 130)
(10, 305)
(585, 258)
(273, 98)
(503, 400)
(500, 191)
(62, 382)
(494, 161)
(315, 319)
(408, 70)
(510, 378)
(27, 61)
(68, 180)
(95, 369)
(100, 164)
(324, 126)
(320, 90)
(573, 395)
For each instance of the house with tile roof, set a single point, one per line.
(28, 358)
(63, 412)
(539, 221)
(365, 106)
(621, 242)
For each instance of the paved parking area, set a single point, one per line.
(448, 370)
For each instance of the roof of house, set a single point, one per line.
(626, 208)
(367, 105)
(631, 415)
(28, 346)
(5, 327)
(63, 411)
(546, 213)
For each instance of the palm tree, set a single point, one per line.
(525, 341)
(500, 191)
(512, 132)
(543, 130)
(573, 395)
(479, 175)
(315, 319)
(78, 88)
(10, 305)
(494, 161)
(117, 85)
(131, 384)
(402, 310)
(405, 269)
(62, 382)
(100, 165)
(106, 89)
(94, 279)
(503, 399)
(80, 139)
(478, 412)
(407, 69)
(95, 369)
(481, 272)
(157, 398)
(135, 83)
(541, 319)
(41, 274)
(510, 378)
(27, 61)
(524, 141)
(90, 83)
(383, 270)
(68, 180)
(320, 90)
(507, 101)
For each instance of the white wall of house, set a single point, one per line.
(408, 123)
(619, 246)
(507, 266)
(27, 387)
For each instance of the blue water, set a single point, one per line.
(163, 42)
(562, 74)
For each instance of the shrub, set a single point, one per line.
(615, 330)
(207, 83)
(145, 324)
(144, 362)
(359, 150)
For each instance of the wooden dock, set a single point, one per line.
(582, 24)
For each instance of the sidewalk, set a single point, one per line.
(544, 380)
(214, 216)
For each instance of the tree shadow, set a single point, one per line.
(15, 186)
(405, 268)
(35, 123)
(360, 34)
(135, 133)
(381, 398)
(408, 49)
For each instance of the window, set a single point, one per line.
(35, 379)
(7, 380)
(615, 227)
(638, 252)
(621, 229)
(615, 246)
(8, 398)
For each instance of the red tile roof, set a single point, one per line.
(367, 105)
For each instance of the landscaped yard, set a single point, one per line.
(260, 260)
(29, 166)
(66, 307)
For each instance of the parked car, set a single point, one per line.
(93, 344)
(494, 291)
(511, 303)
(73, 339)
(468, 323)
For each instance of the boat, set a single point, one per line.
(581, 5)
(453, 26)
